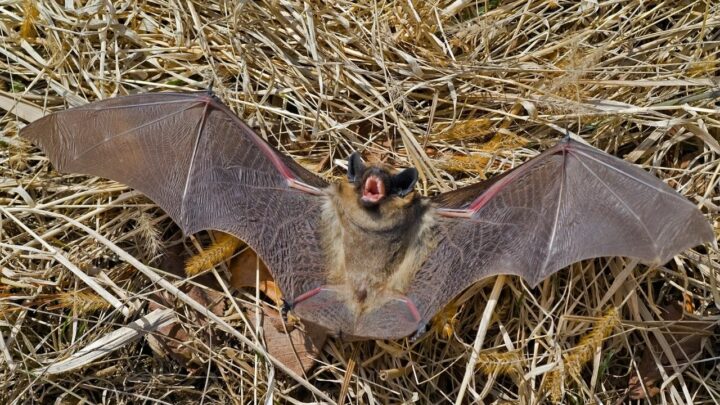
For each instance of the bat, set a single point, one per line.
(369, 257)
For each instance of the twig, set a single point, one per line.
(169, 287)
(482, 330)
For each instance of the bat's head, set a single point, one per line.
(376, 185)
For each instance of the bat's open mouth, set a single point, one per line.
(373, 189)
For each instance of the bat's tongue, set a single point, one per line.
(373, 189)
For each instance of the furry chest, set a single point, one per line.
(377, 251)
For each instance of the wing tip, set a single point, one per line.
(709, 237)
(31, 131)
(696, 237)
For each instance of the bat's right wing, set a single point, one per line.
(570, 203)
(208, 170)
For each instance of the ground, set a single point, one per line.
(461, 90)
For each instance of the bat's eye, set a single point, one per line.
(373, 189)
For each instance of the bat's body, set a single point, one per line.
(372, 253)
(369, 257)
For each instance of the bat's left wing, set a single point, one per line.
(208, 170)
(570, 203)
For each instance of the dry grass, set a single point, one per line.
(459, 91)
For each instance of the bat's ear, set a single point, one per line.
(356, 167)
(404, 182)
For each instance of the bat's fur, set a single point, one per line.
(373, 253)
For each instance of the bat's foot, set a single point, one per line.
(286, 307)
(567, 136)
(422, 328)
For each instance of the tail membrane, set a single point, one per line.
(395, 318)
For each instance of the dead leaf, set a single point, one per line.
(685, 337)
(296, 348)
(176, 340)
(243, 275)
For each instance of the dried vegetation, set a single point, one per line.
(462, 90)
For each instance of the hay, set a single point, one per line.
(461, 90)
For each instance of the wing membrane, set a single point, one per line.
(570, 203)
(194, 158)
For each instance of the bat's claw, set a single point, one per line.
(209, 89)
(419, 332)
(286, 307)
(567, 135)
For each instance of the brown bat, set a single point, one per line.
(370, 257)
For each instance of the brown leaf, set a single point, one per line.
(243, 275)
(176, 340)
(685, 337)
(296, 348)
